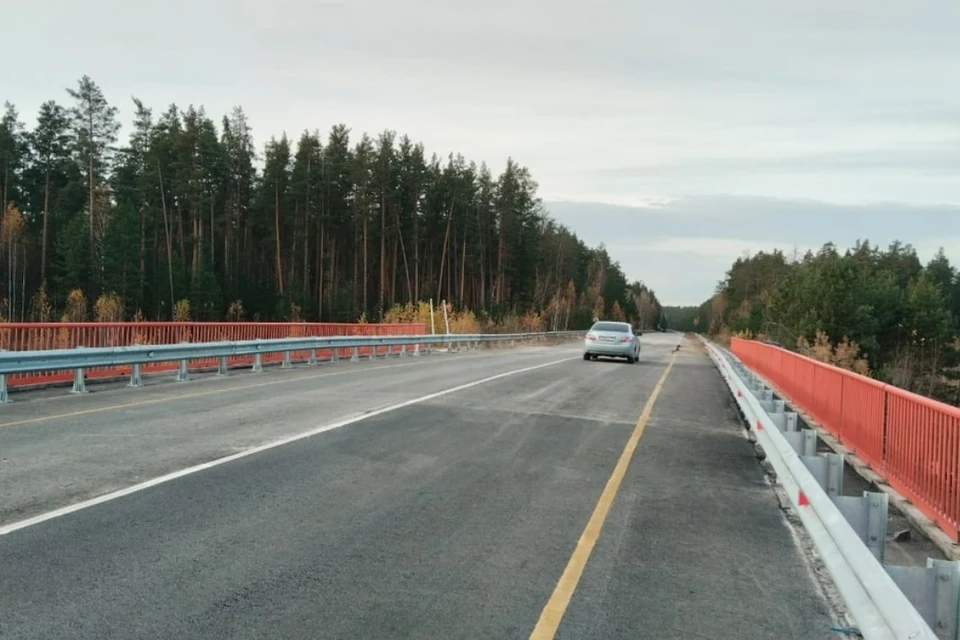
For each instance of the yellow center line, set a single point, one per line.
(186, 396)
(559, 600)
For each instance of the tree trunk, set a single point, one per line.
(166, 231)
(320, 272)
(366, 286)
(142, 283)
(463, 268)
(403, 250)
(383, 246)
(46, 226)
(93, 244)
(443, 256)
(276, 221)
(416, 258)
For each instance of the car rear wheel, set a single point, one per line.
(586, 356)
(631, 359)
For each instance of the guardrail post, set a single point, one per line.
(183, 374)
(827, 469)
(286, 360)
(935, 592)
(257, 363)
(867, 516)
(79, 383)
(803, 442)
(356, 355)
(792, 421)
(4, 394)
(336, 354)
(313, 357)
(834, 474)
(763, 394)
(403, 350)
(136, 380)
(373, 352)
(222, 369)
(416, 349)
(775, 411)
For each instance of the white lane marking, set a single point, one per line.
(86, 504)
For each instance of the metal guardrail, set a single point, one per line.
(80, 359)
(848, 531)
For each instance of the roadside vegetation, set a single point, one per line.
(882, 313)
(190, 218)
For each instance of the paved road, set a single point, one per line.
(455, 516)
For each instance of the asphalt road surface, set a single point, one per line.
(491, 494)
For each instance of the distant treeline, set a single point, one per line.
(880, 312)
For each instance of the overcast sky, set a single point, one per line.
(745, 124)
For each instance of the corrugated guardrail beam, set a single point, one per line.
(848, 532)
(81, 359)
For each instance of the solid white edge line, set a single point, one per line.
(107, 497)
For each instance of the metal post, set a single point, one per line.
(446, 324)
(183, 374)
(4, 395)
(356, 355)
(286, 360)
(809, 442)
(257, 363)
(792, 421)
(135, 379)
(935, 591)
(79, 384)
(877, 511)
(222, 370)
(313, 357)
(867, 515)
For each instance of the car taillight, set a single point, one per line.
(625, 339)
(591, 337)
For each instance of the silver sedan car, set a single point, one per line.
(612, 339)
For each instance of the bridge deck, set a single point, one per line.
(457, 516)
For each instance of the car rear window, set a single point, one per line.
(611, 326)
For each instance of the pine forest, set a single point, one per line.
(192, 218)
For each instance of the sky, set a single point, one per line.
(679, 134)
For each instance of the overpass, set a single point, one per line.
(490, 493)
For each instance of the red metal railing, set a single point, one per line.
(911, 441)
(70, 335)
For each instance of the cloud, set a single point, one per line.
(684, 247)
(658, 107)
(940, 158)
